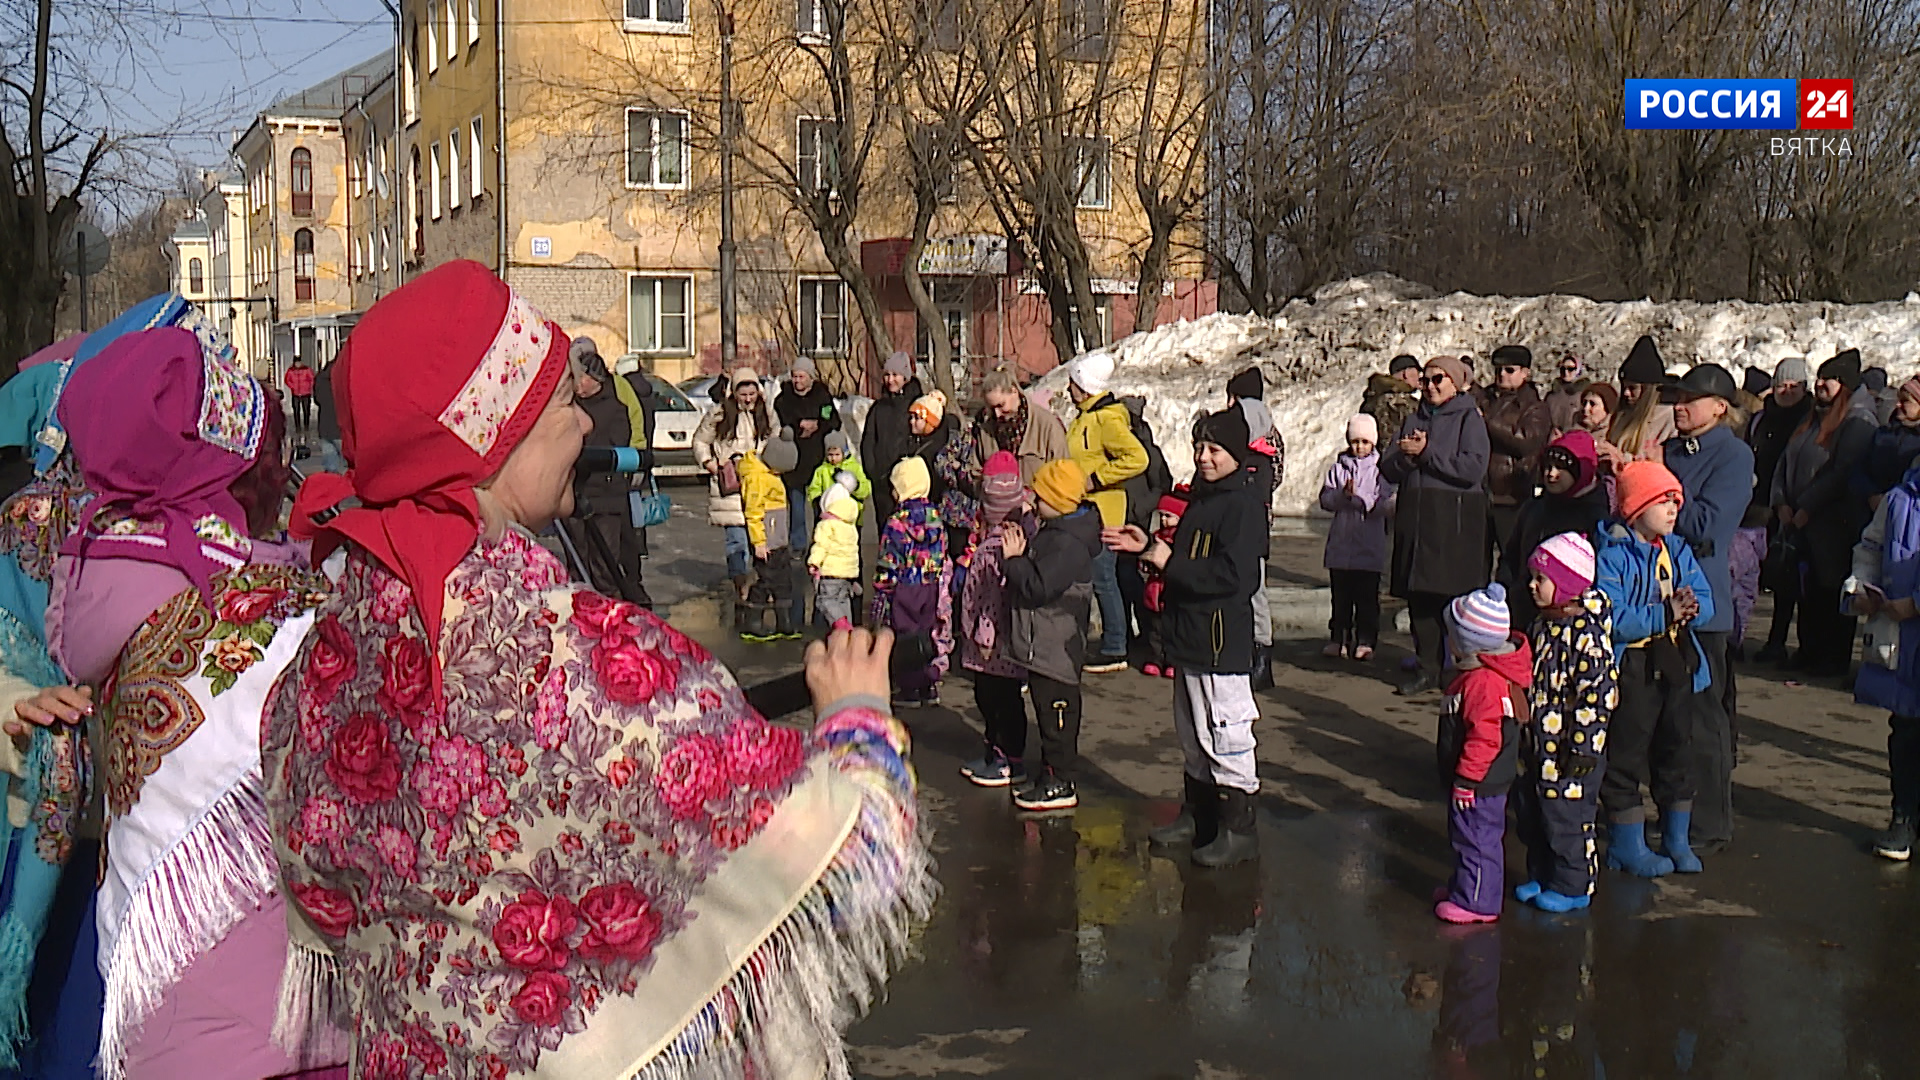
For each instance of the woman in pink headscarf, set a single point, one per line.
(532, 831)
(178, 599)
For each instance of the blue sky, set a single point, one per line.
(223, 60)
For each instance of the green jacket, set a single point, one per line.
(823, 476)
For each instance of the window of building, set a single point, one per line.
(196, 275)
(416, 238)
(818, 162)
(473, 22)
(1085, 32)
(353, 259)
(823, 317)
(474, 157)
(659, 318)
(813, 21)
(386, 247)
(453, 30)
(657, 154)
(411, 90)
(1103, 315)
(353, 173)
(1093, 172)
(453, 170)
(433, 42)
(300, 181)
(433, 178)
(656, 14)
(303, 265)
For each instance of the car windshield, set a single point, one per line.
(674, 400)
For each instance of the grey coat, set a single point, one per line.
(1050, 591)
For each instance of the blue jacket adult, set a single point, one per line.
(1715, 471)
(1624, 570)
(1897, 689)
(1893, 448)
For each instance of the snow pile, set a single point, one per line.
(1317, 356)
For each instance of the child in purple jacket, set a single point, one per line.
(1362, 504)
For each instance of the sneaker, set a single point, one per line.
(931, 697)
(758, 637)
(1170, 672)
(995, 769)
(1151, 671)
(1897, 842)
(1333, 650)
(1050, 792)
(1363, 652)
(1448, 911)
(1103, 664)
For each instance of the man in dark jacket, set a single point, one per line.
(1391, 397)
(1715, 469)
(1050, 593)
(1563, 399)
(600, 501)
(806, 406)
(1211, 570)
(1440, 523)
(1518, 427)
(889, 435)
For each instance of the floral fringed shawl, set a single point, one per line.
(593, 860)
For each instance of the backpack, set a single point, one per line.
(1144, 491)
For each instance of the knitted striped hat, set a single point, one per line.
(1478, 621)
(1000, 487)
(1567, 561)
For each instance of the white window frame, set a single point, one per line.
(433, 40)
(800, 320)
(686, 149)
(410, 88)
(353, 174)
(658, 278)
(476, 151)
(654, 25)
(816, 179)
(473, 22)
(433, 176)
(812, 30)
(453, 31)
(1102, 145)
(453, 169)
(1103, 304)
(386, 247)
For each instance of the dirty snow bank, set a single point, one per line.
(1317, 356)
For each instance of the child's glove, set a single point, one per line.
(1463, 797)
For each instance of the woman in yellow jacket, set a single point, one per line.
(1100, 440)
(764, 498)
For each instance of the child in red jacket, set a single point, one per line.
(1477, 747)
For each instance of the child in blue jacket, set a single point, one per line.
(1659, 595)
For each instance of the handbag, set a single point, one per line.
(648, 508)
(729, 478)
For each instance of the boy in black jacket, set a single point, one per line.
(1211, 570)
(1050, 591)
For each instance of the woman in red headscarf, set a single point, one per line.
(532, 831)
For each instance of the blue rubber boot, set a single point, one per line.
(1525, 893)
(1673, 840)
(1548, 900)
(1627, 850)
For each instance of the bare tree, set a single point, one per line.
(1170, 144)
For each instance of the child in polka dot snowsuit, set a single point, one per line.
(1563, 747)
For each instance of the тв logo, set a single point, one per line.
(1710, 104)
(1826, 104)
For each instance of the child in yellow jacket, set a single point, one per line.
(834, 558)
(764, 498)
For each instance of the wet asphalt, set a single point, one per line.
(1064, 946)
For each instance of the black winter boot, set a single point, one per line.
(1198, 821)
(1237, 842)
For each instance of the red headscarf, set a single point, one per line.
(436, 386)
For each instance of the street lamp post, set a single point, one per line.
(729, 310)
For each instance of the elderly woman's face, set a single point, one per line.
(746, 392)
(1439, 384)
(536, 484)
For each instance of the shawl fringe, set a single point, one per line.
(824, 965)
(220, 872)
(307, 1025)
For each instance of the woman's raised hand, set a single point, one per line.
(55, 704)
(849, 661)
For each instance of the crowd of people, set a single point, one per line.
(379, 754)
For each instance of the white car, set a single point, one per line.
(674, 420)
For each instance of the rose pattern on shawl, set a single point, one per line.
(556, 851)
(39, 518)
(152, 710)
(61, 802)
(406, 686)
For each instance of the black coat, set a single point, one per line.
(323, 402)
(927, 448)
(1207, 621)
(1771, 432)
(1541, 517)
(817, 405)
(1440, 524)
(1889, 456)
(1050, 591)
(606, 493)
(889, 435)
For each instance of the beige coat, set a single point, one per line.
(709, 444)
(1045, 440)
